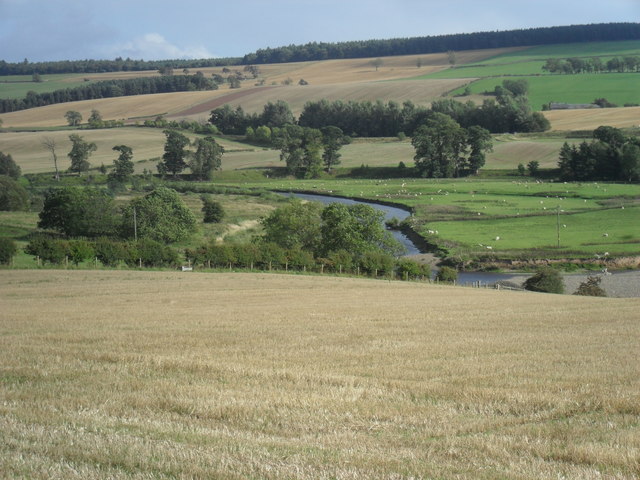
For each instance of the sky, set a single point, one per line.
(44, 30)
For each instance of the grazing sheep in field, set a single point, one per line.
(605, 234)
(497, 238)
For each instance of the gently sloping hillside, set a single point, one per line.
(331, 72)
(129, 109)
(591, 119)
(421, 92)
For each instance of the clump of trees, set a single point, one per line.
(206, 159)
(236, 122)
(305, 150)
(160, 215)
(79, 212)
(576, 65)
(344, 237)
(445, 149)
(508, 112)
(611, 155)
(546, 280)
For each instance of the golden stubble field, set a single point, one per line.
(127, 374)
(352, 79)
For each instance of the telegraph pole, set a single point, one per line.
(558, 224)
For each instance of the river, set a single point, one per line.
(464, 278)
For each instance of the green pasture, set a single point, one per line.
(468, 212)
(17, 86)
(618, 88)
(567, 50)
(530, 61)
(532, 67)
(581, 233)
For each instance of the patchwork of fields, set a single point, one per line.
(139, 374)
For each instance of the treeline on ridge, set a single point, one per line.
(103, 66)
(353, 49)
(111, 88)
(443, 43)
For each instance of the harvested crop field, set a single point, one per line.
(590, 119)
(129, 109)
(27, 150)
(127, 374)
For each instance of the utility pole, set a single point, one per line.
(558, 224)
(135, 225)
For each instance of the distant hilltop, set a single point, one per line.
(355, 49)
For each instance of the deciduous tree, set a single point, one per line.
(440, 145)
(174, 152)
(79, 154)
(13, 196)
(160, 215)
(355, 228)
(8, 166)
(50, 144)
(123, 165)
(206, 159)
(332, 140)
(79, 212)
(73, 118)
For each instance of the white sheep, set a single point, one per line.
(497, 238)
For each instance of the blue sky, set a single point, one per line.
(41, 30)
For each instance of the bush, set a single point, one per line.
(447, 275)
(8, 250)
(213, 210)
(13, 196)
(109, 252)
(8, 166)
(376, 263)
(151, 253)
(547, 280)
(406, 268)
(79, 212)
(80, 250)
(49, 249)
(160, 215)
(591, 287)
(299, 258)
(341, 260)
(248, 255)
(272, 255)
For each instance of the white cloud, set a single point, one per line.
(153, 46)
